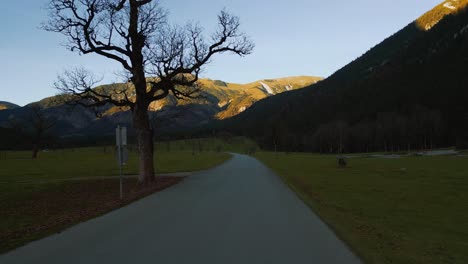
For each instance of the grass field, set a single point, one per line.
(39, 197)
(406, 210)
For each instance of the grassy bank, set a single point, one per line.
(39, 197)
(406, 210)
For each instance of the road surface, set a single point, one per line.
(239, 212)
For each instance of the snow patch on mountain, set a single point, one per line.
(222, 104)
(450, 5)
(428, 27)
(267, 88)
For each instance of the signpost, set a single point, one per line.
(122, 152)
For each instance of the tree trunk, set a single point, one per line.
(142, 100)
(36, 144)
(35, 150)
(145, 144)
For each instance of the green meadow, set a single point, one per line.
(411, 209)
(403, 210)
(19, 173)
(81, 179)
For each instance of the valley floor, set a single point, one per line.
(238, 212)
(399, 210)
(64, 187)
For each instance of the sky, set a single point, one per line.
(293, 37)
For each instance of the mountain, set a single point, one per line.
(408, 92)
(219, 100)
(7, 105)
(434, 16)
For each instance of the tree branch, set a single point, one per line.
(182, 52)
(79, 85)
(136, 34)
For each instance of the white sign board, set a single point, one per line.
(122, 152)
(121, 141)
(121, 136)
(122, 155)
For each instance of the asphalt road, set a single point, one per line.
(239, 212)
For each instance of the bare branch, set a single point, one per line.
(136, 34)
(89, 27)
(180, 53)
(79, 84)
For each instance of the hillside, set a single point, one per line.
(408, 92)
(219, 100)
(232, 98)
(434, 16)
(7, 105)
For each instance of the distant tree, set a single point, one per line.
(322, 139)
(341, 130)
(137, 35)
(433, 126)
(40, 123)
(386, 130)
(362, 136)
(462, 137)
(332, 137)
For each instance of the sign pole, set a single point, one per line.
(122, 153)
(120, 160)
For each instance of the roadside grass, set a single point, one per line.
(65, 204)
(18, 166)
(37, 197)
(406, 210)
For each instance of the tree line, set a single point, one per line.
(420, 129)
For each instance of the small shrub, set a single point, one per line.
(342, 162)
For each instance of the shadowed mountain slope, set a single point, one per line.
(7, 105)
(410, 91)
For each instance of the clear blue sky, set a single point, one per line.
(293, 37)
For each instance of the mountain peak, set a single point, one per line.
(7, 105)
(219, 100)
(435, 15)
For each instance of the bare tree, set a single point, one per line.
(40, 124)
(136, 34)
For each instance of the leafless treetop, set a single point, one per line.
(137, 35)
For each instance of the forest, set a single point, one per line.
(408, 93)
